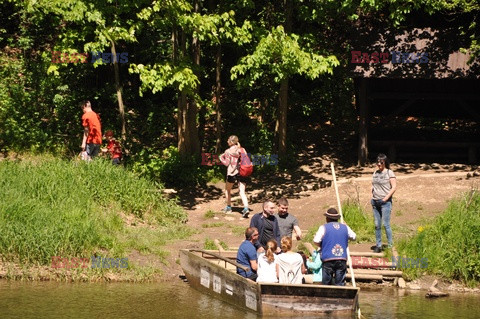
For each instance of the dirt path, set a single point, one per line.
(423, 191)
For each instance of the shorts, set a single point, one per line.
(92, 149)
(237, 178)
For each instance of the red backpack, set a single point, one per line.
(245, 164)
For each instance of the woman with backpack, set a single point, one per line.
(232, 158)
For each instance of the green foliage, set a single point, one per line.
(216, 28)
(25, 123)
(159, 76)
(282, 55)
(451, 243)
(169, 168)
(58, 208)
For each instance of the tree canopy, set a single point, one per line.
(197, 70)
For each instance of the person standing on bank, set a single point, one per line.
(286, 221)
(231, 158)
(384, 184)
(247, 254)
(267, 226)
(92, 130)
(333, 238)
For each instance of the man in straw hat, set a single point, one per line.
(332, 238)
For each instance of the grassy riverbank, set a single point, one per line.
(51, 207)
(450, 243)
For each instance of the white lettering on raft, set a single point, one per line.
(205, 277)
(251, 300)
(217, 284)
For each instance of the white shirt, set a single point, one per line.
(290, 268)
(267, 272)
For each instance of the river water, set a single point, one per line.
(177, 300)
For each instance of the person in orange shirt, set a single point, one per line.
(92, 133)
(113, 148)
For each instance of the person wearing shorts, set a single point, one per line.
(230, 158)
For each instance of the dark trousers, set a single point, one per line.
(334, 270)
(253, 276)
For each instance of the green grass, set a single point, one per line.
(213, 225)
(209, 214)
(51, 207)
(451, 243)
(238, 230)
(210, 245)
(359, 221)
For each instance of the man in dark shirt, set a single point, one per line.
(267, 226)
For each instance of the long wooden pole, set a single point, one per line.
(339, 204)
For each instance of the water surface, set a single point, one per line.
(178, 300)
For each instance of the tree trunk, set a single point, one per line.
(196, 56)
(188, 143)
(118, 87)
(218, 92)
(281, 123)
(363, 122)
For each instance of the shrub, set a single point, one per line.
(170, 169)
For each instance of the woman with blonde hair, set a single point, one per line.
(290, 267)
(231, 158)
(267, 263)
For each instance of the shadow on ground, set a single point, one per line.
(309, 169)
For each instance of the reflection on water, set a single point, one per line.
(399, 303)
(178, 300)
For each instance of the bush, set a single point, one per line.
(173, 171)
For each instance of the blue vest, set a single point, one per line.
(335, 242)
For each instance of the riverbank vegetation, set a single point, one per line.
(450, 243)
(75, 209)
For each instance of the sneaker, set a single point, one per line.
(227, 209)
(377, 250)
(245, 212)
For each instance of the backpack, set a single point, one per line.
(245, 164)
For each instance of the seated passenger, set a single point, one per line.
(247, 254)
(314, 263)
(267, 264)
(290, 265)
